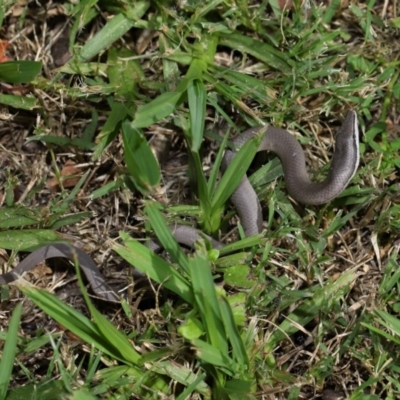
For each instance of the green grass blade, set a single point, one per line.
(235, 172)
(209, 224)
(214, 356)
(226, 91)
(165, 236)
(260, 91)
(45, 391)
(140, 160)
(154, 266)
(118, 113)
(164, 105)
(64, 141)
(206, 300)
(19, 102)
(217, 165)
(238, 349)
(107, 189)
(58, 222)
(381, 332)
(22, 71)
(115, 338)
(389, 321)
(124, 75)
(246, 243)
(12, 217)
(339, 221)
(197, 106)
(84, 12)
(183, 375)
(111, 32)
(9, 351)
(3, 11)
(171, 72)
(264, 52)
(193, 386)
(310, 308)
(28, 239)
(157, 109)
(218, 160)
(72, 320)
(331, 11)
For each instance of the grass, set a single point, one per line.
(306, 310)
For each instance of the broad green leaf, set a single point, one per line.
(78, 324)
(232, 333)
(154, 266)
(206, 300)
(107, 189)
(19, 102)
(124, 75)
(197, 109)
(115, 339)
(214, 356)
(157, 109)
(140, 160)
(12, 217)
(28, 239)
(45, 391)
(237, 275)
(165, 236)
(231, 260)
(22, 71)
(164, 105)
(114, 29)
(191, 329)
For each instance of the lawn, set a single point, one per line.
(114, 117)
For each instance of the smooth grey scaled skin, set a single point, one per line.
(63, 250)
(343, 167)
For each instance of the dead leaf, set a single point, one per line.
(3, 48)
(70, 176)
